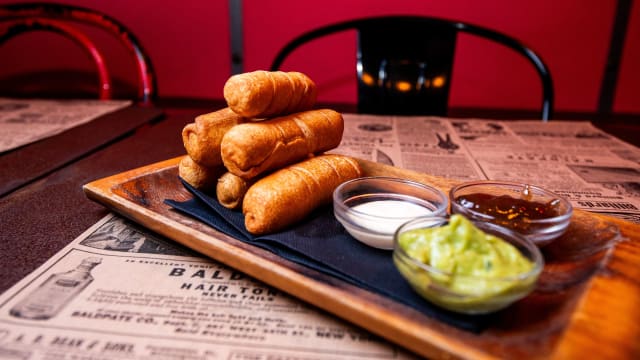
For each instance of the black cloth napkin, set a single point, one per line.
(321, 243)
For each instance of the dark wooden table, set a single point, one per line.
(43, 207)
(43, 215)
(32, 161)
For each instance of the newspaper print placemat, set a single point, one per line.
(121, 292)
(23, 121)
(594, 170)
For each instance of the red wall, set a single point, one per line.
(189, 45)
(628, 92)
(188, 42)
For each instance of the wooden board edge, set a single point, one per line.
(611, 302)
(596, 310)
(375, 318)
(103, 186)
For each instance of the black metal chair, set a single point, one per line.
(16, 19)
(404, 63)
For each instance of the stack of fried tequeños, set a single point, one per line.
(265, 151)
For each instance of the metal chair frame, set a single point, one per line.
(380, 37)
(59, 17)
(22, 26)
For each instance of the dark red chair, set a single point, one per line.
(16, 19)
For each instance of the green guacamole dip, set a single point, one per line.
(479, 272)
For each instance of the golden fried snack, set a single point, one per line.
(202, 137)
(198, 176)
(288, 195)
(231, 189)
(261, 94)
(252, 148)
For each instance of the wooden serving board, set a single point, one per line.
(587, 302)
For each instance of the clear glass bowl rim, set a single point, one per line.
(510, 184)
(538, 259)
(341, 209)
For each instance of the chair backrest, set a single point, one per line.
(404, 63)
(16, 19)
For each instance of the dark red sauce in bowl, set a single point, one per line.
(536, 213)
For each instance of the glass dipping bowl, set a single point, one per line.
(467, 294)
(540, 215)
(372, 208)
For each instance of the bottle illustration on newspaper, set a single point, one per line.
(57, 291)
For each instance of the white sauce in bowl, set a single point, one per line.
(375, 222)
